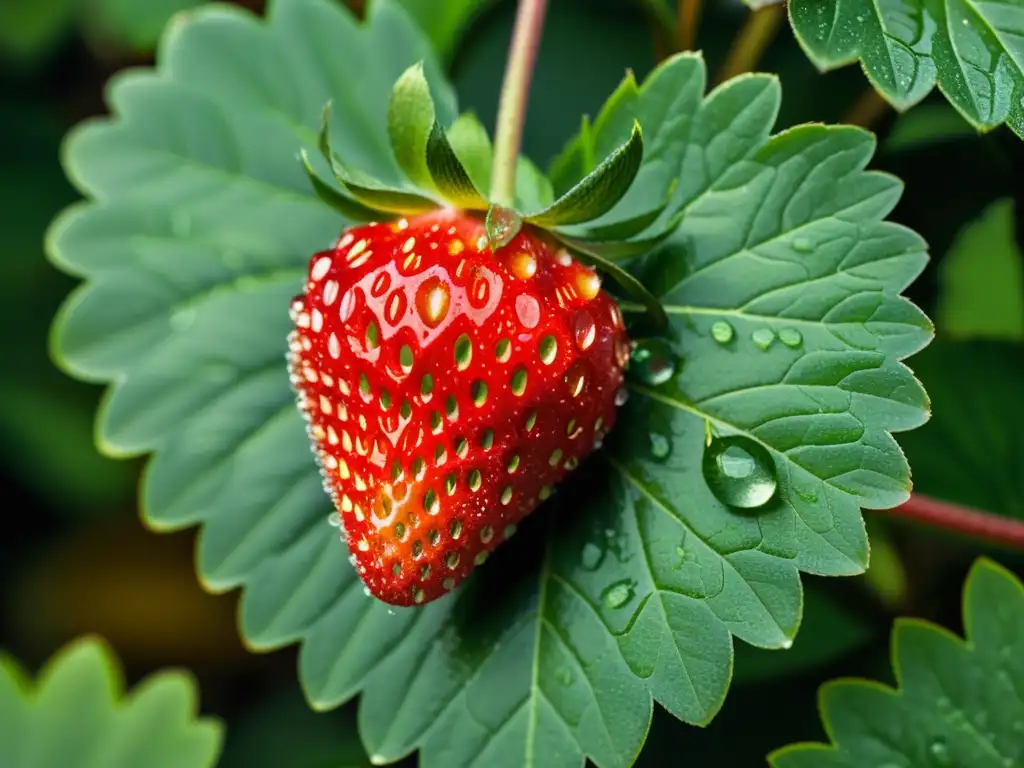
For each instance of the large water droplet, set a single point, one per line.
(592, 556)
(791, 337)
(661, 446)
(763, 337)
(653, 362)
(940, 752)
(740, 472)
(618, 593)
(334, 520)
(502, 224)
(721, 332)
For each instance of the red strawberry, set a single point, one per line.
(447, 389)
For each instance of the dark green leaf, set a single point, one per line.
(982, 279)
(957, 702)
(78, 716)
(971, 49)
(625, 229)
(924, 125)
(364, 188)
(620, 250)
(469, 141)
(340, 202)
(975, 391)
(599, 190)
(410, 122)
(449, 176)
(30, 28)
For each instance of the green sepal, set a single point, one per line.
(366, 189)
(502, 225)
(600, 190)
(346, 206)
(411, 119)
(621, 230)
(620, 250)
(471, 144)
(627, 282)
(449, 176)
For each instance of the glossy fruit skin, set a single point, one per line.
(447, 389)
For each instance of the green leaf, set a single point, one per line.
(342, 203)
(443, 23)
(365, 188)
(599, 190)
(410, 122)
(559, 646)
(469, 140)
(975, 390)
(970, 48)
(924, 125)
(957, 702)
(29, 29)
(982, 279)
(77, 716)
(450, 177)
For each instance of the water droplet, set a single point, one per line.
(527, 310)
(791, 337)
(619, 593)
(334, 520)
(721, 332)
(584, 330)
(564, 675)
(621, 397)
(502, 224)
(653, 362)
(802, 245)
(940, 752)
(661, 446)
(763, 337)
(740, 472)
(592, 556)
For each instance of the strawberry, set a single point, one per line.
(448, 388)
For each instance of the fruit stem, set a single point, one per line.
(686, 23)
(964, 521)
(663, 25)
(753, 38)
(515, 91)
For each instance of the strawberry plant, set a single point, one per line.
(520, 449)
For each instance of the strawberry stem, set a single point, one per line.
(964, 521)
(514, 93)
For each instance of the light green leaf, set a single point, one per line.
(78, 716)
(957, 701)
(599, 190)
(364, 188)
(200, 234)
(449, 176)
(982, 279)
(975, 389)
(410, 120)
(472, 145)
(972, 49)
(444, 22)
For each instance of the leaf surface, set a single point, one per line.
(77, 716)
(632, 584)
(957, 701)
(972, 49)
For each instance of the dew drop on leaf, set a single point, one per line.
(802, 245)
(334, 520)
(592, 556)
(619, 593)
(653, 362)
(791, 337)
(740, 472)
(502, 224)
(940, 752)
(661, 446)
(564, 675)
(763, 337)
(721, 332)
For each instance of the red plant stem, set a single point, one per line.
(1005, 531)
(515, 91)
